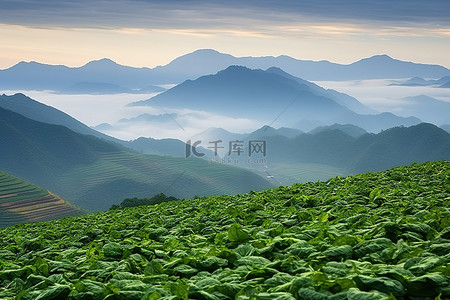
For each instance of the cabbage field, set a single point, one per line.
(382, 235)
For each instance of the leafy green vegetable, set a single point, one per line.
(237, 234)
(374, 236)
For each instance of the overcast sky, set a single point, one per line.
(151, 33)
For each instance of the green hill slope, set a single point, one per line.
(37, 111)
(95, 174)
(21, 201)
(379, 235)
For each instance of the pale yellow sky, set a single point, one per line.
(340, 43)
(154, 32)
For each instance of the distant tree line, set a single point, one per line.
(132, 202)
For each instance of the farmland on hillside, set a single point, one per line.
(126, 175)
(21, 201)
(382, 235)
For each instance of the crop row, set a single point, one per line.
(21, 201)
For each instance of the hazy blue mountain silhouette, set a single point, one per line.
(103, 127)
(401, 146)
(242, 92)
(114, 77)
(415, 81)
(427, 109)
(103, 74)
(446, 85)
(214, 133)
(193, 65)
(340, 98)
(267, 96)
(443, 80)
(351, 130)
(369, 152)
(207, 61)
(375, 123)
(446, 127)
(349, 147)
(166, 117)
(210, 135)
(266, 131)
(289, 132)
(418, 81)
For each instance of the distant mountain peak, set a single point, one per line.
(267, 127)
(104, 62)
(236, 68)
(206, 50)
(27, 64)
(377, 59)
(381, 56)
(276, 70)
(32, 62)
(279, 71)
(203, 54)
(417, 80)
(216, 130)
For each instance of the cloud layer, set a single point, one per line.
(184, 14)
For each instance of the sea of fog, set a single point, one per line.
(112, 109)
(162, 122)
(380, 95)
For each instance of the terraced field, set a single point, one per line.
(121, 175)
(21, 201)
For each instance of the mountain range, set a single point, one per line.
(346, 147)
(106, 76)
(207, 61)
(443, 82)
(368, 152)
(272, 96)
(337, 150)
(114, 77)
